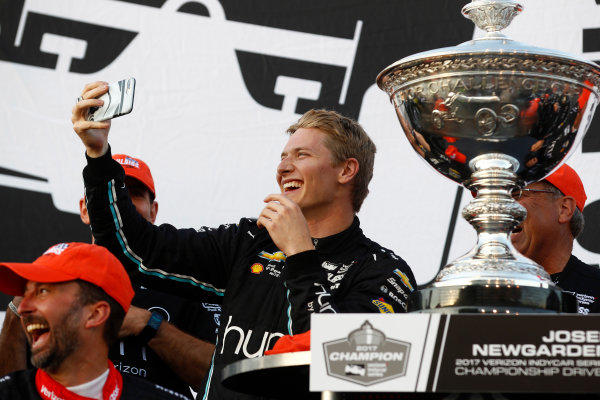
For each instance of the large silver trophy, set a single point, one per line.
(494, 115)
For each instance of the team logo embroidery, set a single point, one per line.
(384, 308)
(277, 256)
(128, 161)
(57, 249)
(404, 279)
(256, 268)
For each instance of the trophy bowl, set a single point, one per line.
(493, 115)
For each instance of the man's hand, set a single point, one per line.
(93, 134)
(135, 320)
(286, 225)
(13, 343)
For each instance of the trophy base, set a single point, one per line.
(478, 299)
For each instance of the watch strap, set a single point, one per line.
(151, 327)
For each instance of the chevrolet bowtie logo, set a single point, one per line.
(278, 256)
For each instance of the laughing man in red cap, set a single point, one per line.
(554, 219)
(158, 339)
(75, 297)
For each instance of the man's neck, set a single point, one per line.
(329, 224)
(77, 372)
(555, 261)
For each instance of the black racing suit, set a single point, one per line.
(198, 318)
(21, 385)
(268, 294)
(583, 281)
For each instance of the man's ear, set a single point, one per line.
(153, 211)
(567, 206)
(98, 314)
(83, 212)
(349, 170)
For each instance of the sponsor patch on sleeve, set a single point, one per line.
(384, 308)
(404, 279)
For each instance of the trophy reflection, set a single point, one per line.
(493, 115)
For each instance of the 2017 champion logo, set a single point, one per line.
(366, 356)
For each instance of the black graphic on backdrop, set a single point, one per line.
(591, 43)
(104, 44)
(389, 32)
(591, 143)
(261, 86)
(35, 224)
(31, 224)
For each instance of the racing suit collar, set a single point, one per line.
(341, 240)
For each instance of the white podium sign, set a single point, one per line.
(457, 353)
(372, 352)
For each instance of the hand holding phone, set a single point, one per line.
(117, 101)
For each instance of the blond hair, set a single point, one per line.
(345, 138)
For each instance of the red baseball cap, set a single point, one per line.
(136, 169)
(65, 262)
(568, 182)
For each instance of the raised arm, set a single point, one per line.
(13, 344)
(173, 260)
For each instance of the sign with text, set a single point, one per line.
(455, 353)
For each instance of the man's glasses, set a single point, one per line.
(518, 193)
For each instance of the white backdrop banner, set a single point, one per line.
(218, 83)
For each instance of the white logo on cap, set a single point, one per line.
(57, 249)
(128, 161)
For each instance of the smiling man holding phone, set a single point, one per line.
(304, 254)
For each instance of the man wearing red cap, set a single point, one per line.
(176, 358)
(75, 297)
(554, 219)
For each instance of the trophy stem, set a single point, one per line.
(493, 277)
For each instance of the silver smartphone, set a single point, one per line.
(117, 101)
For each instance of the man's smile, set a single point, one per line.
(292, 185)
(39, 333)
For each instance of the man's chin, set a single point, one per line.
(42, 360)
(293, 195)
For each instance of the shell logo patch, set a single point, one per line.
(404, 279)
(384, 307)
(277, 256)
(256, 268)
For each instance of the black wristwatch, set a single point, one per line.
(151, 327)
